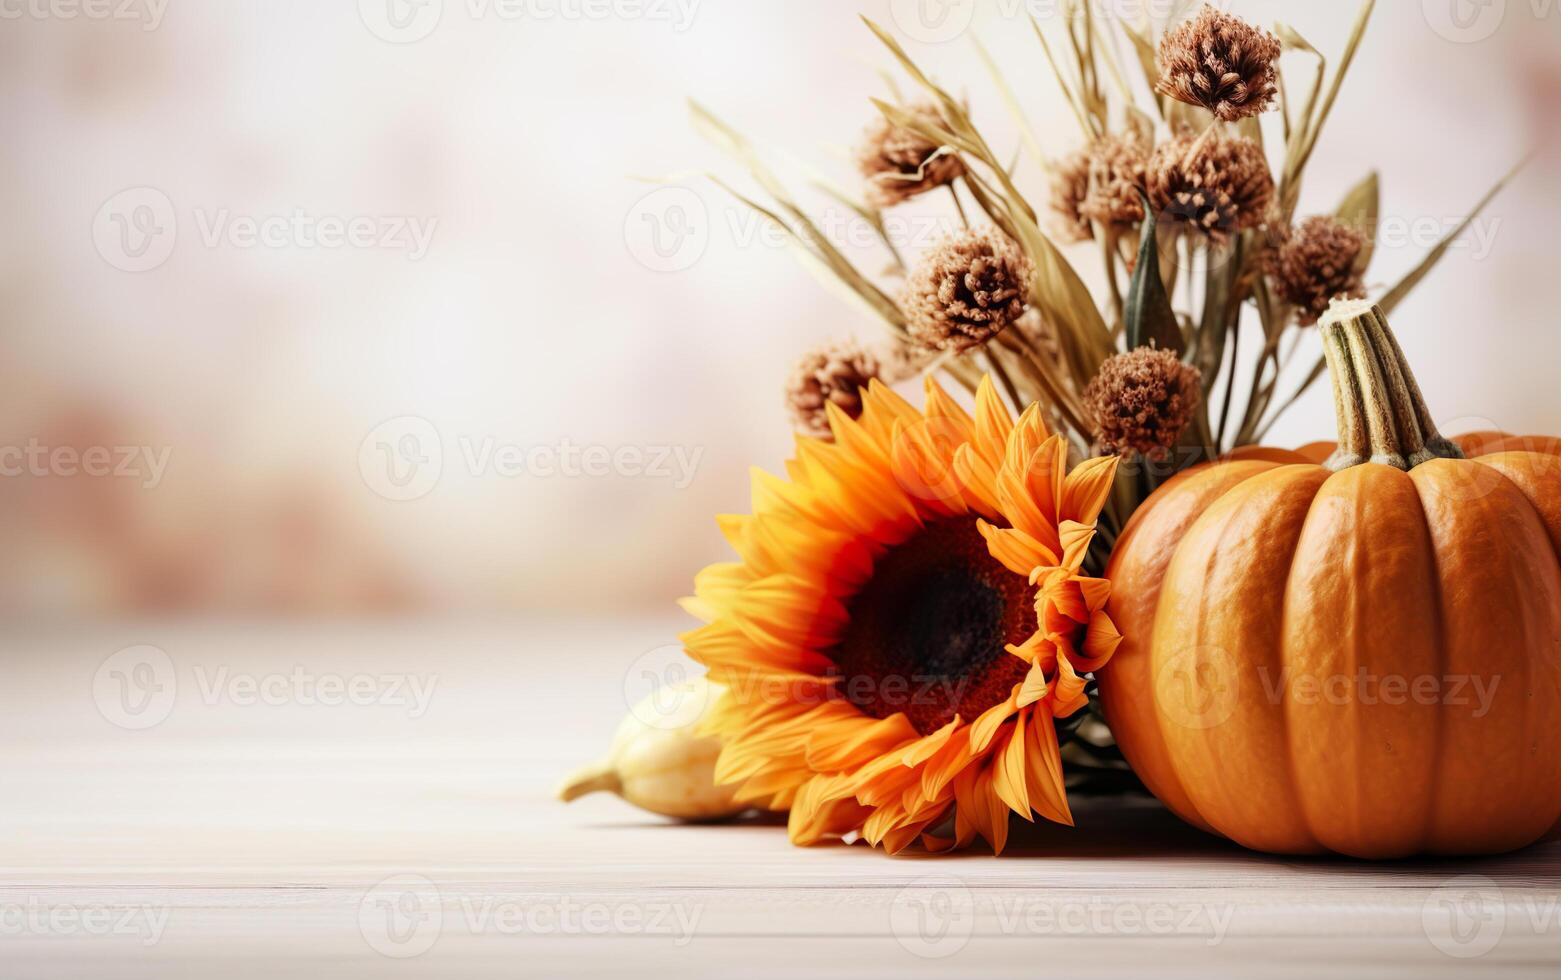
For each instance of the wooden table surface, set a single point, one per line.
(271, 822)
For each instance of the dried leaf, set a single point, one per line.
(1360, 211)
(1143, 47)
(1292, 39)
(1150, 318)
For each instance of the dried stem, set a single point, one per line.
(1382, 415)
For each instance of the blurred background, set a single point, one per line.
(320, 308)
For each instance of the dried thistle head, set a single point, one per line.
(900, 163)
(1117, 168)
(1316, 263)
(1070, 188)
(1222, 63)
(834, 373)
(1142, 401)
(966, 290)
(1217, 185)
(1099, 183)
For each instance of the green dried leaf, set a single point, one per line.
(1150, 318)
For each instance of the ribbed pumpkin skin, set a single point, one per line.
(1238, 581)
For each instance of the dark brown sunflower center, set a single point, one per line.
(927, 633)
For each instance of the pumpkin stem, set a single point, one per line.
(1382, 414)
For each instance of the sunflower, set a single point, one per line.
(907, 620)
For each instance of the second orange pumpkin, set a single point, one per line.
(1360, 656)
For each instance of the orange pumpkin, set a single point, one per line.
(1361, 655)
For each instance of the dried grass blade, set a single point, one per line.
(815, 241)
(1026, 131)
(1357, 33)
(1396, 295)
(1080, 111)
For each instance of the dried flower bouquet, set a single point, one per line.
(909, 639)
